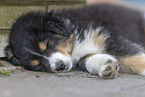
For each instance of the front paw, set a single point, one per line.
(104, 65)
(109, 69)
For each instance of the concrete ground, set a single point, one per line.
(23, 83)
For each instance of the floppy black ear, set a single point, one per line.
(56, 24)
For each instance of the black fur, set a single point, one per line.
(31, 29)
(126, 28)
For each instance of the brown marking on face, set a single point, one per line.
(35, 62)
(65, 47)
(100, 40)
(133, 64)
(42, 46)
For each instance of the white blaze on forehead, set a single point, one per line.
(57, 57)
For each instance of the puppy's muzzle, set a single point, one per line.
(58, 62)
(60, 66)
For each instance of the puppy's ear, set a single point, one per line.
(57, 25)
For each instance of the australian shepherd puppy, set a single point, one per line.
(98, 39)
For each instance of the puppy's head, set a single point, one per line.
(57, 46)
(42, 41)
(56, 53)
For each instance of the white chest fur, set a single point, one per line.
(91, 44)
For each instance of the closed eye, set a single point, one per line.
(50, 43)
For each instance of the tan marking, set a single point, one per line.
(42, 46)
(133, 64)
(35, 62)
(100, 39)
(65, 47)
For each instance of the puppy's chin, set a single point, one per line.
(60, 62)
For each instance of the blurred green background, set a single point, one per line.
(11, 9)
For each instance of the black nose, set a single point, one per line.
(60, 65)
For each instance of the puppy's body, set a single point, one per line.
(95, 39)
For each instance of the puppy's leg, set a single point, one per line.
(9, 56)
(133, 64)
(130, 55)
(104, 65)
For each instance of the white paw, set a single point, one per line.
(104, 65)
(109, 69)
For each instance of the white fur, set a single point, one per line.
(59, 56)
(87, 46)
(97, 63)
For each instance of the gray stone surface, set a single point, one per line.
(3, 41)
(10, 13)
(23, 83)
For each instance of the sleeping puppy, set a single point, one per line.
(96, 39)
